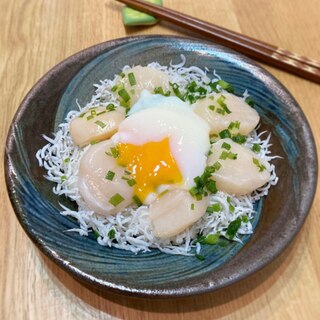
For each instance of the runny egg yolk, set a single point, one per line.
(150, 164)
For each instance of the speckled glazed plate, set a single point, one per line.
(279, 216)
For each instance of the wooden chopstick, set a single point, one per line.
(264, 52)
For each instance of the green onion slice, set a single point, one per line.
(110, 175)
(132, 79)
(116, 199)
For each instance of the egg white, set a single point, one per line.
(155, 117)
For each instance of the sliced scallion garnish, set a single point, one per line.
(256, 148)
(110, 175)
(116, 199)
(123, 93)
(226, 146)
(260, 166)
(137, 201)
(100, 124)
(132, 79)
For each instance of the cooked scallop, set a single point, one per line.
(101, 182)
(222, 109)
(175, 211)
(95, 125)
(241, 170)
(140, 78)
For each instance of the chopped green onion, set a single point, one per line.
(100, 124)
(200, 257)
(211, 186)
(225, 134)
(114, 152)
(158, 90)
(132, 79)
(102, 112)
(232, 156)
(256, 148)
(260, 166)
(217, 165)
(223, 84)
(175, 88)
(222, 104)
(216, 207)
(235, 124)
(110, 175)
(224, 155)
(245, 219)
(90, 117)
(131, 182)
(116, 199)
(122, 74)
(233, 228)
(231, 206)
(111, 234)
(110, 107)
(66, 160)
(96, 234)
(192, 206)
(249, 101)
(82, 114)
(211, 239)
(63, 178)
(221, 111)
(226, 146)
(114, 88)
(93, 142)
(212, 107)
(137, 201)
(124, 95)
(239, 138)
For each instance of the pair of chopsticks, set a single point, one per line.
(270, 54)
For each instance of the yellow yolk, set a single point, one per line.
(150, 164)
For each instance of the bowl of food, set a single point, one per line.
(160, 166)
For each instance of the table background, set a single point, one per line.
(37, 34)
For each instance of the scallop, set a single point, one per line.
(175, 211)
(95, 125)
(145, 78)
(241, 170)
(101, 182)
(222, 109)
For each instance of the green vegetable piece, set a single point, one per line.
(116, 199)
(216, 207)
(132, 79)
(225, 134)
(239, 138)
(211, 239)
(137, 201)
(100, 124)
(256, 148)
(260, 166)
(96, 234)
(110, 175)
(111, 234)
(226, 146)
(249, 101)
(132, 17)
(200, 257)
(233, 228)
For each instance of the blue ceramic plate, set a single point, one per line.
(279, 216)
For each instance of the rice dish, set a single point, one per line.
(228, 213)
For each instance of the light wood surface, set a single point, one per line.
(37, 34)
